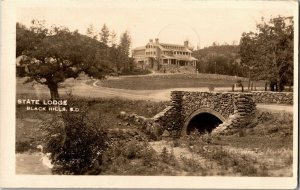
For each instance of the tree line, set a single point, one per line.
(265, 54)
(50, 55)
(220, 59)
(268, 53)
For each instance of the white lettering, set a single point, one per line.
(55, 102)
(28, 101)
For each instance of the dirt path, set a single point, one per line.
(93, 89)
(164, 95)
(275, 107)
(153, 95)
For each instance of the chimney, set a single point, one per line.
(150, 40)
(156, 41)
(186, 43)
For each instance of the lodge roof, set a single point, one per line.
(140, 48)
(167, 44)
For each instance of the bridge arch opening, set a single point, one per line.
(203, 121)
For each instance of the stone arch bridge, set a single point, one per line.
(204, 111)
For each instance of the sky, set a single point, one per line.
(200, 22)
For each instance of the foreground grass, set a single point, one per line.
(264, 148)
(104, 112)
(174, 81)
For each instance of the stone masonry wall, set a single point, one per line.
(234, 107)
(171, 119)
(223, 103)
(273, 97)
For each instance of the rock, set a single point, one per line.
(166, 133)
(122, 114)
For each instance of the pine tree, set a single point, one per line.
(113, 39)
(124, 46)
(90, 32)
(104, 35)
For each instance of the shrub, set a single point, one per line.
(168, 157)
(135, 71)
(239, 83)
(211, 88)
(193, 166)
(23, 146)
(76, 144)
(135, 158)
(242, 133)
(132, 150)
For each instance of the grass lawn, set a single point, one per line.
(157, 82)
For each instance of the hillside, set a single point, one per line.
(220, 59)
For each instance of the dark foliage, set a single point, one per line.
(220, 59)
(49, 56)
(268, 53)
(76, 144)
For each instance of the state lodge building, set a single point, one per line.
(155, 54)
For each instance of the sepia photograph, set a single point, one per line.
(155, 88)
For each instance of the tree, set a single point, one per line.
(28, 38)
(115, 57)
(220, 59)
(53, 56)
(90, 32)
(113, 39)
(124, 46)
(104, 35)
(268, 53)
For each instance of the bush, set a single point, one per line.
(242, 133)
(23, 146)
(211, 88)
(75, 143)
(130, 158)
(132, 150)
(239, 83)
(135, 71)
